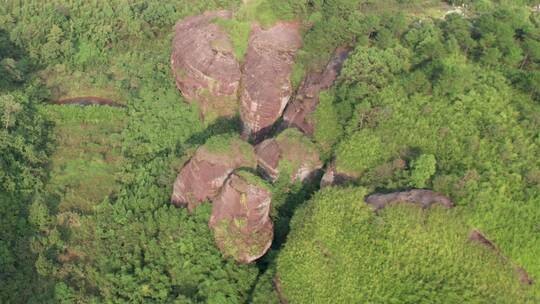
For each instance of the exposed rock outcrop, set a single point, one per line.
(478, 237)
(266, 85)
(424, 198)
(203, 176)
(290, 151)
(298, 113)
(204, 65)
(332, 177)
(241, 218)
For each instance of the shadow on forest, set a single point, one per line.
(293, 199)
(220, 126)
(15, 62)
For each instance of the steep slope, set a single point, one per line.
(266, 85)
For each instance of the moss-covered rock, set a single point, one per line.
(289, 153)
(203, 176)
(240, 217)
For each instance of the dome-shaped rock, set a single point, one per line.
(203, 176)
(204, 65)
(240, 218)
(266, 85)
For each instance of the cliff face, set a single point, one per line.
(204, 65)
(203, 176)
(298, 113)
(266, 85)
(241, 218)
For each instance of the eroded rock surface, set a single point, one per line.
(266, 85)
(290, 151)
(204, 65)
(298, 113)
(424, 198)
(241, 218)
(203, 176)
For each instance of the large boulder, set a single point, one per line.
(299, 113)
(421, 197)
(290, 151)
(204, 65)
(241, 218)
(203, 176)
(266, 85)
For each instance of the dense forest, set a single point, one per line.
(435, 95)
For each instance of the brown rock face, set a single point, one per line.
(296, 151)
(240, 218)
(298, 113)
(203, 176)
(424, 198)
(266, 85)
(204, 65)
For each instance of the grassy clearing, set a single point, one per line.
(64, 83)
(88, 155)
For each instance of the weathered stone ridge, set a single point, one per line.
(241, 218)
(204, 65)
(299, 112)
(479, 238)
(266, 86)
(421, 197)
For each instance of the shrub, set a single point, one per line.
(340, 251)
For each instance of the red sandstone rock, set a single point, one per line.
(291, 149)
(298, 113)
(203, 176)
(241, 218)
(204, 65)
(424, 198)
(266, 85)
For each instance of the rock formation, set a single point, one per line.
(298, 113)
(203, 176)
(290, 151)
(478, 237)
(240, 218)
(266, 85)
(204, 65)
(424, 198)
(332, 177)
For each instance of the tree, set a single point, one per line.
(423, 168)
